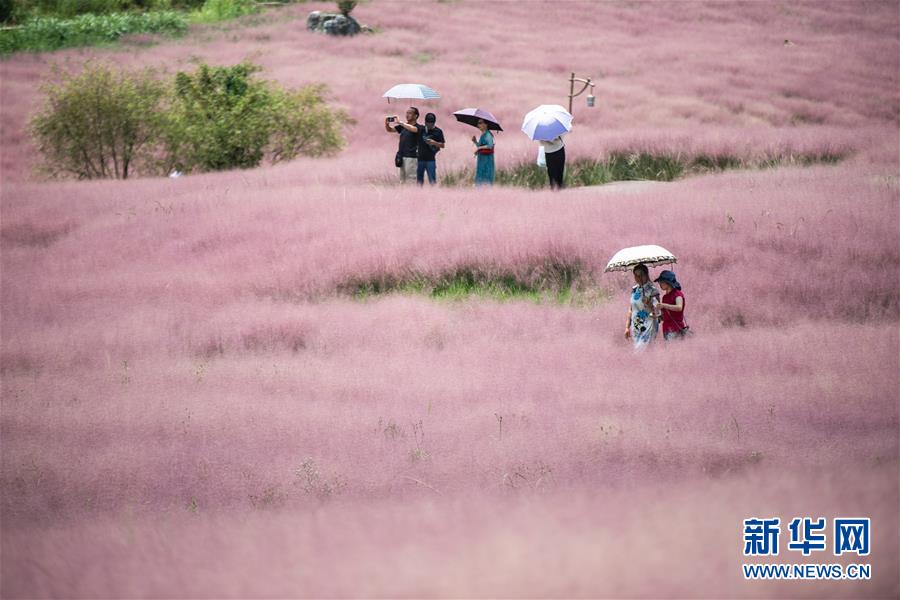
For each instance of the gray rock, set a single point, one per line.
(332, 24)
(313, 20)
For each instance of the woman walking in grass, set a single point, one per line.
(672, 307)
(484, 155)
(641, 326)
(555, 157)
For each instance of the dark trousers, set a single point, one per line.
(429, 167)
(556, 167)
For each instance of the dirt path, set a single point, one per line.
(623, 187)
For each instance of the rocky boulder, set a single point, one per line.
(333, 24)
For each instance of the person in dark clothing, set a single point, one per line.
(409, 142)
(431, 140)
(555, 155)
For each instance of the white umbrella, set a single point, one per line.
(546, 122)
(652, 256)
(411, 91)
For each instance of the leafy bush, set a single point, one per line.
(213, 119)
(304, 124)
(223, 119)
(50, 33)
(100, 123)
(219, 120)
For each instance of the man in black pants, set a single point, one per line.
(555, 155)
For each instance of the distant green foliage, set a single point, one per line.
(52, 24)
(99, 123)
(107, 124)
(50, 33)
(18, 11)
(218, 10)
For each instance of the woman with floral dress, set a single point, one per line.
(642, 318)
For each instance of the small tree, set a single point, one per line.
(345, 7)
(220, 119)
(100, 123)
(223, 118)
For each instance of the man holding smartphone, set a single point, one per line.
(408, 151)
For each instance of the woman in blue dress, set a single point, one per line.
(484, 155)
(641, 325)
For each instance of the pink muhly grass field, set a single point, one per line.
(193, 406)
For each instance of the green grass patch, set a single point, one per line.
(51, 33)
(549, 281)
(635, 166)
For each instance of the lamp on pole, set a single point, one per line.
(572, 93)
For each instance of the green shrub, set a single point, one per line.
(304, 124)
(102, 124)
(99, 124)
(222, 118)
(219, 120)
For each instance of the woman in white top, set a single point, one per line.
(555, 155)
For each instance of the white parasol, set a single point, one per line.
(411, 91)
(650, 255)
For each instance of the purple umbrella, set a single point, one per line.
(471, 116)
